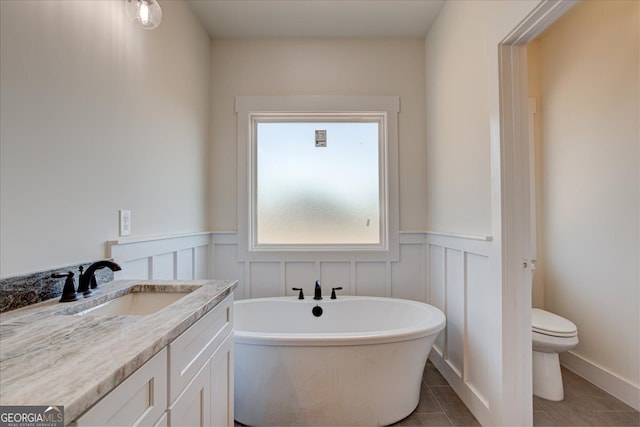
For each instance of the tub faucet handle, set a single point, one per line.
(333, 291)
(300, 295)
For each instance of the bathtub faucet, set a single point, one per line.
(318, 291)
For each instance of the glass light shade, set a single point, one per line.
(145, 13)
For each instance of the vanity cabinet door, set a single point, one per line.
(192, 407)
(208, 399)
(139, 400)
(163, 421)
(222, 384)
(195, 346)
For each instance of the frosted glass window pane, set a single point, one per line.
(308, 195)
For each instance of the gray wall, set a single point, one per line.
(98, 115)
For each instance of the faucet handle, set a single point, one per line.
(333, 291)
(69, 290)
(300, 295)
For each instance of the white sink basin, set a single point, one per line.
(134, 304)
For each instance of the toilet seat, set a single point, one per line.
(551, 324)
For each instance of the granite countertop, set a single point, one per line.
(49, 356)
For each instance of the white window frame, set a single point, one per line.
(250, 109)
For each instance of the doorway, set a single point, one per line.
(583, 71)
(512, 187)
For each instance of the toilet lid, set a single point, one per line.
(547, 323)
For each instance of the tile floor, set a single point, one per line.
(439, 404)
(584, 405)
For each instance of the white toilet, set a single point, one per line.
(552, 334)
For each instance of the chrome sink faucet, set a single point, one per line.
(87, 280)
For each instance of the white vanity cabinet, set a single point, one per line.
(192, 408)
(188, 383)
(207, 399)
(201, 371)
(141, 399)
(222, 384)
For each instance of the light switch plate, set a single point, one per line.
(125, 223)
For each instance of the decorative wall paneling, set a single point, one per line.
(183, 257)
(404, 278)
(214, 255)
(460, 284)
(452, 272)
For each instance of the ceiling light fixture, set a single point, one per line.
(146, 13)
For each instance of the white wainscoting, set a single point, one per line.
(459, 284)
(215, 255)
(452, 272)
(183, 257)
(405, 278)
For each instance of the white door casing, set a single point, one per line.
(513, 211)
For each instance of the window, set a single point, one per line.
(317, 175)
(315, 194)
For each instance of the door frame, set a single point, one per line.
(511, 210)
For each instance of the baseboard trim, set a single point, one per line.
(602, 378)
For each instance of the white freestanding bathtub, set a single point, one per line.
(358, 363)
